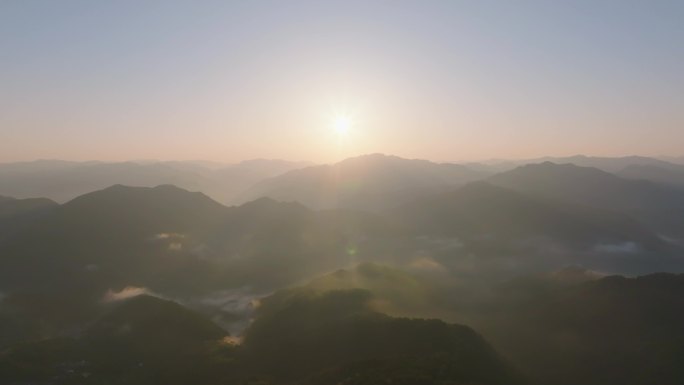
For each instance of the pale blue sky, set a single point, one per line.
(442, 80)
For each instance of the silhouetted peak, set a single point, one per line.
(370, 159)
(11, 206)
(147, 317)
(133, 192)
(554, 170)
(144, 203)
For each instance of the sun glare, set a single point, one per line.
(342, 124)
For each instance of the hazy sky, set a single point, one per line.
(450, 80)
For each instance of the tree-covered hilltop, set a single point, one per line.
(334, 337)
(298, 337)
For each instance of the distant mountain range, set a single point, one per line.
(608, 164)
(374, 237)
(659, 205)
(174, 241)
(370, 182)
(63, 181)
(184, 244)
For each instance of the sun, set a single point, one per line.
(342, 125)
